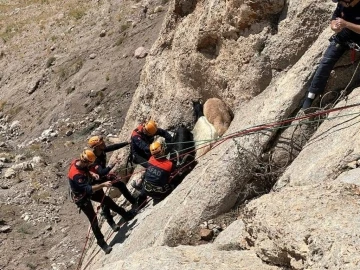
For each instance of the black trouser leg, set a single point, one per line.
(88, 210)
(327, 63)
(142, 196)
(107, 215)
(122, 187)
(113, 206)
(137, 159)
(98, 196)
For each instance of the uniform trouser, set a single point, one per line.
(88, 210)
(123, 189)
(137, 159)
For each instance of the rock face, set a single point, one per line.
(305, 170)
(189, 258)
(257, 56)
(309, 227)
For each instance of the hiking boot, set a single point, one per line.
(129, 215)
(106, 248)
(140, 202)
(115, 227)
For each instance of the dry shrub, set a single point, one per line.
(256, 169)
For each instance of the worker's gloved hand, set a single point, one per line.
(111, 177)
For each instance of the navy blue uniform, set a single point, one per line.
(102, 170)
(140, 144)
(156, 178)
(80, 183)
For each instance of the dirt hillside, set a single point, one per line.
(67, 70)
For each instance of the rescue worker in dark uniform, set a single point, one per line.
(84, 190)
(142, 137)
(100, 149)
(345, 22)
(157, 175)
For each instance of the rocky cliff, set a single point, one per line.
(282, 198)
(259, 57)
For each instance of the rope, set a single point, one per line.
(255, 128)
(121, 225)
(246, 131)
(343, 92)
(89, 230)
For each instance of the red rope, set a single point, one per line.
(89, 230)
(223, 139)
(122, 224)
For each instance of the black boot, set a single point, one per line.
(129, 215)
(141, 201)
(105, 247)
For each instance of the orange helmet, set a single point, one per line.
(156, 149)
(87, 156)
(150, 128)
(95, 141)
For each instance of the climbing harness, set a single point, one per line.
(149, 187)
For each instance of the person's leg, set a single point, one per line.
(124, 190)
(121, 211)
(327, 63)
(138, 183)
(137, 159)
(88, 210)
(98, 196)
(157, 193)
(141, 199)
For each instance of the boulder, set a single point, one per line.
(5, 229)
(306, 227)
(140, 52)
(9, 173)
(232, 238)
(322, 156)
(206, 234)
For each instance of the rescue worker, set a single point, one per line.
(100, 149)
(345, 22)
(84, 190)
(157, 175)
(142, 137)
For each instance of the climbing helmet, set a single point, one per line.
(95, 141)
(150, 128)
(88, 156)
(156, 149)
